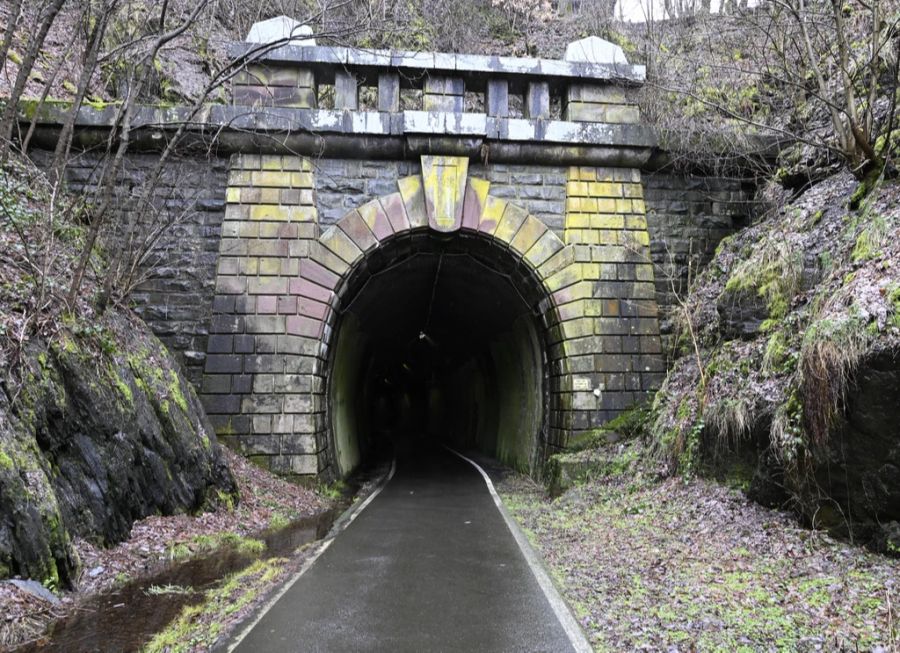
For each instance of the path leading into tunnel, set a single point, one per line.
(429, 565)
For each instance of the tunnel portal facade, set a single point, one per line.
(380, 247)
(499, 295)
(437, 312)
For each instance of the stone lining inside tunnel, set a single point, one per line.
(438, 343)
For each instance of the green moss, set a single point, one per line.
(5, 461)
(894, 303)
(122, 386)
(175, 391)
(871, 239)
(15, 57)
(773, 272)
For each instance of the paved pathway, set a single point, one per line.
(429, 565)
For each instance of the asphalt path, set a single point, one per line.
(429, 565)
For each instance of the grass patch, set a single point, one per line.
(773, 272)
(204, 544)
(201, 625)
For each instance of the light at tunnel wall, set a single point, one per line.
(437, 345)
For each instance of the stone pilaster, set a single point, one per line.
(614, 306)
(259, 386)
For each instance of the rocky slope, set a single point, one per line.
(790, 361)
(92, 441)
(97, 426)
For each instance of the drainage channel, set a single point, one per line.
(127, 618)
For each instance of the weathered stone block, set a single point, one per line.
(389, 92)
(346, 90)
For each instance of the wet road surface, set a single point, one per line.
(429, 565)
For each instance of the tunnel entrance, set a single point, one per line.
(438, 342)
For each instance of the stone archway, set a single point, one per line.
(444, 203)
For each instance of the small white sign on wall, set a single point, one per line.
(581, 384)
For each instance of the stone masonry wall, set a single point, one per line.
(175, 298)
(343, 185)
(262, 385)
(688, 216)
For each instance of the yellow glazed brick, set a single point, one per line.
(250, 266)
(269, 212)
(578, 328)
(604, 221)
(271, 162)
(590, 271)
(240, 178)
(578, 221)
(303, 213)
(283, 213)
(588, 174)
(271, 178)
(606, 237)
(577, 188)
(590, 238)
(632, 190)
(572, 236)
(638, 206)
(301, 180)
(492, 212)
(605, 205)
(270, 266)
(623, 206)
(233, 195)
(248, 230)
(605, 189)
(573, 204)
(637, 222)
(269, 196)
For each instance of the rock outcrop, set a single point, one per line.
(97, 430)
(789, 377)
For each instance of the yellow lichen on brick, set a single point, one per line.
(271, 178)
(444, 184)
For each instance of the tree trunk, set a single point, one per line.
(61, 153)
(14, 12)
(8, 118)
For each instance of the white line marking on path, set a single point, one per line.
(566, 619)
(340, 524)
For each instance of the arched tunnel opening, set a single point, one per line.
(437, 343)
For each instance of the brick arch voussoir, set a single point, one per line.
(339, 251)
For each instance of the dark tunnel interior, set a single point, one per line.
(436, 344)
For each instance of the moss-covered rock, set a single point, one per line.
(789, 388)
(98, 430)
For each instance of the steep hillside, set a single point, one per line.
(790, 365)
